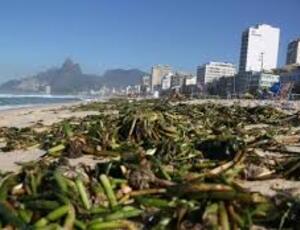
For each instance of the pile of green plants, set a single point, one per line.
(158, 166)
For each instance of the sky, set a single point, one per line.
(105, 34)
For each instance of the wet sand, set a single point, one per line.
(46, 115)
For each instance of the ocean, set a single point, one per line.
(8, 101)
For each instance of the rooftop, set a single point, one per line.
(227, 64)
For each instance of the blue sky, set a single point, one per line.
(103, 34)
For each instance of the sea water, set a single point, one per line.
(10, 101)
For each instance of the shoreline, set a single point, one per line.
(6, 108)
(46, 114)
(49, 114)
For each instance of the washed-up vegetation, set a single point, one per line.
(159, 166)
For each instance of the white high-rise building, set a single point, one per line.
(48, 89)
(157, 73)
(293, 53)
(211, 71)
(259, 50)
(166, 81)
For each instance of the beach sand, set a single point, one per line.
(29, 116)
(50, 114)
(284, 105)
(46, 115)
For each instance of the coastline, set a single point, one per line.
(46, 114)
(36, 106)
(21, 117)
(8, 102)
(49, 114)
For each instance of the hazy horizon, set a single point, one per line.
(101, 35)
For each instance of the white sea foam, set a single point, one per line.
(37, 96)
(9, 101)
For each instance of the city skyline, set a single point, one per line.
(184, 43)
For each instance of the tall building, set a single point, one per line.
(166, 81)
(146, 80)
(259, 49)
(293, 53)
(190, 80)
(211, 71)
(48, 89)
(157, 73)
(146, 84)
(178, 79)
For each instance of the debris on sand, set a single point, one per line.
(157, 165)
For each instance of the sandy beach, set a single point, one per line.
(46, 115)
(49, 114)
(284, 105)
(29, 116)
(257, 181)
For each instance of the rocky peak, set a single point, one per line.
(70, 67)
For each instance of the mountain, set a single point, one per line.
(69, 79)
(120, 77)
